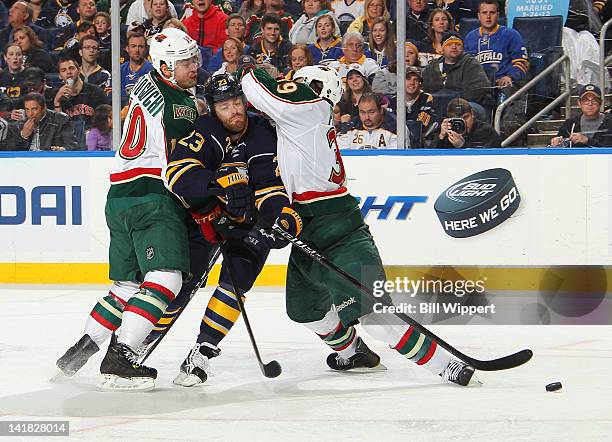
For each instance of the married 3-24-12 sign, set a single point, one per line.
(536, 8)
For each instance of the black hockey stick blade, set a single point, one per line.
(503, 363)
(272, 369)
(153, 345)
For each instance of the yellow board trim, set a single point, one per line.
(578, 278)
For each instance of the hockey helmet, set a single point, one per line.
(220, 87)
(324, 81)
(172, 45)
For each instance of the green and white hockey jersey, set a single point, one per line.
(159, 115)
(308, 155)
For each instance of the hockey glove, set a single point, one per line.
(240, 199)
(290, 221)
(206, 223)
(246, 63)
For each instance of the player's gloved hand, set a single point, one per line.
(290, 221)
(240, 200)
(206, 222)
(245, 64)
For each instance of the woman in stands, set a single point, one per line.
(440, 21)
(382, 42)
(303, 30)
(328, 45)
(32, 47)
(299, 56)
(160, 14)
(385, 80)
(232, 50)
(250, 7)
(100, 137)
(11, 78)
(356, 85)
(373, 9)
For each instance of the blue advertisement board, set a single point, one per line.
(536, 8)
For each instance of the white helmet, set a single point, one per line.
(331, 82)
(172, 45)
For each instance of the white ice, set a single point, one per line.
(307, 402)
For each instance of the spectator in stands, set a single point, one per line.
(474, 133)
(352, 45)
(347, 10)
(71, 49)
(91, 71)
(375, 128)
(140, 10)
(498, 48)
(250, 7)
(271, 7)
(124, 8)
(160, 14)
(11, 78)
(590, 128)
(299, 56)
(102, 24)
(457, 8)
(207, 24)
(271, 47)
(382, 42)
(61, 13)
(87, 12)
(39, 14)
(34, 81)
(373, 9)
(76, 98)
(303, 30)
(419, 104)
(20, 16)
(235, 27)
(416, 20)
(232, 50)
(356, 85)
(43, 129)
(458, 73)
(136, 66)
(100, 137)
(32, 48)
(440, 22)
(328, 44)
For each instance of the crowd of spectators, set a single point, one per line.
(55, 81)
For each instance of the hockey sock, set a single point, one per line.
(407, 341)
(221, 314)
(144, 309)
(341, 339)
(106, 315)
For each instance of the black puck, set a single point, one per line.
(554, 386)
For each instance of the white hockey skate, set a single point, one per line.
(195, 369)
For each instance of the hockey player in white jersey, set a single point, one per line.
(314, 176)
(148, 252)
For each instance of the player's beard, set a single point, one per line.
(236, 124)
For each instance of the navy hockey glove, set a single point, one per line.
(240, 199)
(290, 221)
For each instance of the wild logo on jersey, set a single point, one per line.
(185, 112)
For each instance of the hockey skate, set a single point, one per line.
(364, 360)
(121, 371)
(77, 356)
(195, 369)
(459, 373)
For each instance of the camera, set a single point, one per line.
(457, 125)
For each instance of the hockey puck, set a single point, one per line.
(554, 386)
(477, 203)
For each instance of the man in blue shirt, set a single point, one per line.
(136, 66)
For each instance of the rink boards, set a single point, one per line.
(548, 225)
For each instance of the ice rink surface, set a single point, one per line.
(308, 401)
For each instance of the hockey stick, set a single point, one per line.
(201, 282)
(272, 369)
(504, 363)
